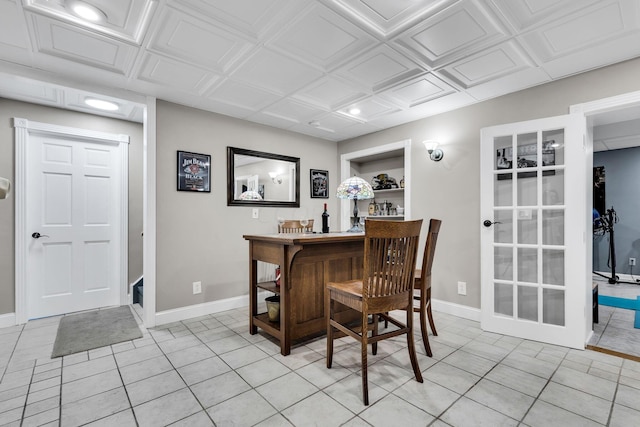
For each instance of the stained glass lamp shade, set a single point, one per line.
(250, 195)
(357, 189)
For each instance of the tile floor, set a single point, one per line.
(615, 329)
(210, 371)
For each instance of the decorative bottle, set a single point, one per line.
(325, 220)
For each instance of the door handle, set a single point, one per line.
(37, 235)
(488, 223)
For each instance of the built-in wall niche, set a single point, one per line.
(393, 159)
(382, 173)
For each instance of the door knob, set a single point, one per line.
(488, 223)
(37, 235)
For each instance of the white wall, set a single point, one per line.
(199, 237)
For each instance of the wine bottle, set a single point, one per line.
(325, 220)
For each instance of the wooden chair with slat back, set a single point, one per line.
(422, 284)
(390, 254)
(294, 226)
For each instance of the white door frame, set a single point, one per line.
(345, 172)
(23, 129)
(589, 109)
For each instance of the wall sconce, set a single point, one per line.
(275, 178)
(436, 154)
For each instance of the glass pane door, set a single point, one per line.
(524, 238)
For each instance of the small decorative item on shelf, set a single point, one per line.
(402, 182)
(383, 181)
(373, 208)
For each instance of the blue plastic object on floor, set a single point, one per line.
(628, 304)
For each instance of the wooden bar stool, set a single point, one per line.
(390, 254)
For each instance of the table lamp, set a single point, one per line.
(250, 195)
(357, 189)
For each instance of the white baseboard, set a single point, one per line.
(7, 320)
(454, 309)
(183, 313)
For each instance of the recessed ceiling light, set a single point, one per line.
(354, 110)
(86, 11)
(102, 104)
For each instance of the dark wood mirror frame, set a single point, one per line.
(232, 201)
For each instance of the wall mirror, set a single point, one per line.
(264, 179)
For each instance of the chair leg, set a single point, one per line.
(329, 314)
(423, 326)
(374, 346)
(412, 347)
(363, 350)
(431, 323)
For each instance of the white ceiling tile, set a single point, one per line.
(330, 93)
(241, 95)
(489, 64)
(75, 44)
(168, 72)
(187, 38)
(380, 68)
(610, 52)
(340, 39)
(275, 72)
(274, 121)
(13, 32)
(126, 19)
(418, 90)
(524, 14)
(387, 17)
(253, 17)
(522, 79)
(437, 106)
(370, 109)
(454, 33)
(293, 111)
(327, 124)
(583, 30)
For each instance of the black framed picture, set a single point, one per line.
(319, 184)
(194, 172)
(526, 158)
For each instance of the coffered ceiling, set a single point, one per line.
(303, 65)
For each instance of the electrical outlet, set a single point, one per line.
(197, 287)
(632, 261)
(255, 213)
(462, 288)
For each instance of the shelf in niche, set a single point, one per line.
(388, 190)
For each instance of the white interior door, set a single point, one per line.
(74, 221)
(534, 209)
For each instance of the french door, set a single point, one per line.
(534, 206)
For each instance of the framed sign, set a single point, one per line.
(194, 172)
(319, 184)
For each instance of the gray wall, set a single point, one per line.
(450, 189)
(622, 176)
(199, 237)
(37, 113)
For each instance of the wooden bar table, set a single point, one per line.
(307, 261)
